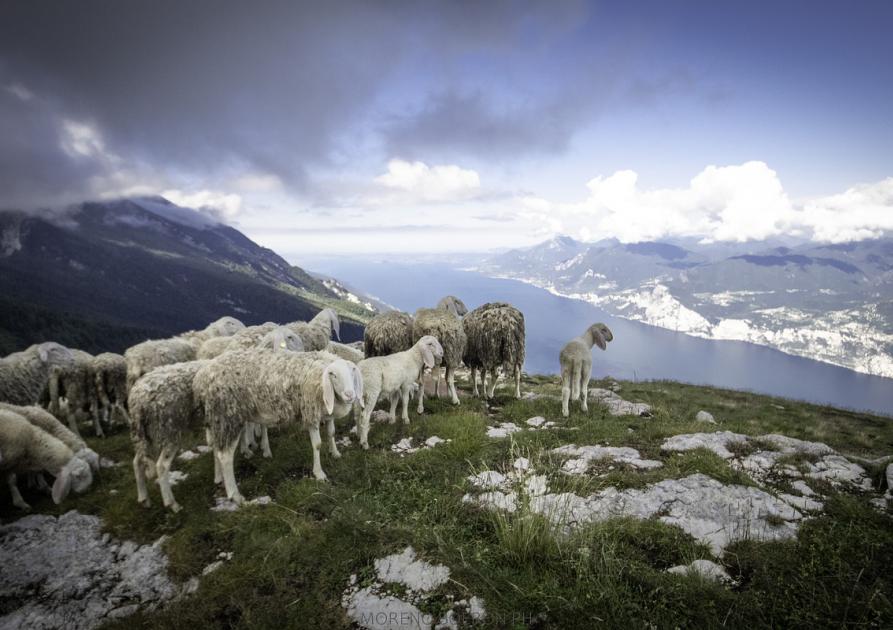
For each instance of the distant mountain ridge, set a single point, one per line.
(136, 268)
(831, 302)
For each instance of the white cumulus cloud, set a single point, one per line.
(221, 205)
(417, 182)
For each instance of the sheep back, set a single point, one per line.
(446, 328)
(495, 336)
(148, 355)
(388, 333)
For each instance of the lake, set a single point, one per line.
(638, 352)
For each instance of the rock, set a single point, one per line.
(203, 449)
(575, 466)
(176, 476)
(187, 456)
(787, 444)
(105, 462)
(503, 430)
(381, 416)
(208, 570)
(616, 405)
(536, 485)
(494, 500)
(801, 487)
(383, 612)
(620, 454)
(416, 575)
(536, 421)
(82, 575)
(489, 480)
(476, 608)
(433, 441)
(223, 504)
(703, 568)
(521, 464)
(836, 470)
(403, 446)
(715, 442)
(801, 503)
(704, 416)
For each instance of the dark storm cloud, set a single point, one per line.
(207, 88)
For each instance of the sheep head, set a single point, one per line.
(282, 338)
(341, 379)
(75, 475)
(225, 327)
(600, 335)
(432, 351)
(454, 305)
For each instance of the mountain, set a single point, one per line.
(833, 302)
(104, 275)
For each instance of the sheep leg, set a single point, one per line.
(405, 395)
(493, 377)
(218, 472)
(227, 456)
(142, 493)
(451, 383)
(363, 427)
(517, 381)
(435, 376)
(97, 425)
(316, 443)
(330, 429)
(41, 483)
(265, 442)
(17, 499)
(163, 471)
(585, 375)
(565, 389)
(247, 440)
(474, 381)
(392, 416)
(421, 408)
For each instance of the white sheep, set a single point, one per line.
(27, 448)
(224, 327)
(148, 355)
(25, 375)
(110, 379)
(452, 304)
(576, 365)
(43, 419)
(73, 380)
(393, 375)
(163, 415)
(246, 338)
(274, 388)
(446, 327)
(346, 352)
(318, 331)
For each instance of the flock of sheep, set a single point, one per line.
(234, 381)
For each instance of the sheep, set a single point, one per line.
(395, 375)
(318, 331)
(274, 387)
(213, 347)
(388, 333)
(246, 338)
(495, 333)
(452, 304)
(280, 339)
(224, 327)
(27, 448)
(576, 365)
(74, 381)
(346, 352)
(25, 375)
(43, 419)
(446, 327)
(148, 355)
(163, 415)
(110, 380)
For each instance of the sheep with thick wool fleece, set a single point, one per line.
(74, 381)
(576, 365)
(393, 375)
(387, 333)
(446, 327)
(245, 338)
(110, 380)
(271, 388)
(148, 355)
(43, 419)
(28, 448)
(495, 338)
(163, 413)
(317, 333)
(25, 375)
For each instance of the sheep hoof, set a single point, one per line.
(238, 499)
(247, 454)
(321, 476)
(365, 446)
(268, 455)
(146, 503)
(392, 421)
(336, 454)
(175, 507)
(24, 507)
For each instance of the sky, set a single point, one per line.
(427, 127)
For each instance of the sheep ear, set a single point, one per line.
(427, 356)
(62, 486)
(336, 324)
(598, 339)
(328, 390)
(357, 384)
(43, 354)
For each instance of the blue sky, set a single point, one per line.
(347, 126)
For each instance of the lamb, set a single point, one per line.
(495, 333)
(27, 448)
(344, 351)
(395, 375)
(388, 333)
(43, 419)
(148, 355)
(110, 379)
(446, 327)
(25, 375)
(73, 380)
(318, 331)
(453, 304)
(164, 414)
(274, 387)
(576, 365)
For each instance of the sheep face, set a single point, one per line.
(51, 352)
(601, 335)
(90, 456)
(282, 338)
(342, 380)
(75, 475)
(432, 351)
(454, 305)
(335, 323)
(226, 326)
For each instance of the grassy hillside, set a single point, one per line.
(292, 559)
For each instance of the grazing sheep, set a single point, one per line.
(148, 355)
(246, 338)
(224, 327)
(388, 333)
(43, 419)
(73, 380)
(348, 353)
(164, 414)
(271, 388)
(446, 327)
(25, 375)
(27, 448)
(576, 364)
(395, 375)
(495, 333)
(317, 333)
(453, 304)
(279, 339)
(110, 379)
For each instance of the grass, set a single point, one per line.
(292, 559)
